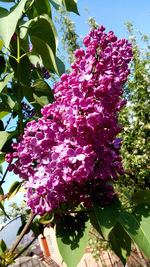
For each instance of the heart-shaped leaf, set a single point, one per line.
(72, 237)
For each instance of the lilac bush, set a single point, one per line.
(72, 153)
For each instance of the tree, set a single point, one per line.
(135, 118)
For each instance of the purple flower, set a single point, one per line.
(73, 156)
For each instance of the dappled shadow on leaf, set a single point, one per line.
(132, 222)
(142, 210)
(71, 229)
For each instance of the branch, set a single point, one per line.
(14, 246)
(19, 90)
(98, 237)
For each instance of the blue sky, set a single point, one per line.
(113, 14)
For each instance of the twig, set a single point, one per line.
(24, 249)
(2, 181)
(4, 197)
(8, 121)
(9, 222)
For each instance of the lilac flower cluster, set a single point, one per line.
(28, 111)
(72, 153)
(45, 73)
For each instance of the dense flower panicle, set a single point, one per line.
(71, 154)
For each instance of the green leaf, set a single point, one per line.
(137, 226)
(35, 59)
(56, 3)
(3, 12)
(4, 82)
(127, 195)
(2, 159)
(94, 222)
(2, 64)
(14, 189)
(1, 191)
(120, 242)
(41, 100)
(42, 93)
(71, 5)
(72, 237)
(1, 125)
(46, 218)
(3, 247)
(43, 87)
(2, 208)
(1, 45)
(24, 26)
(141, 196)
(107, 216)
(1, 169)
(36, 227)
(46, 53)
(5, 136)
(38, 8)
(60, 66)
(24, 68)
(8, 1)
(21, 228)
(8, 22)
(7, 100)
(43, 28)
(3, 114)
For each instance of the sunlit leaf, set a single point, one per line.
(4, 136)
(107, 216)
(2, 159)
(72, 237)
(3, 114)
(71, 5)
(137, 226)
(40, 7)
(46, 218)
(56, 3)
(8, 22)
(7, 100)
(43, 28)
(14, 189)
(35, 59)
(46, 53)
(3, 247)
(141, 196)
(1, 45)
(4, 82)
